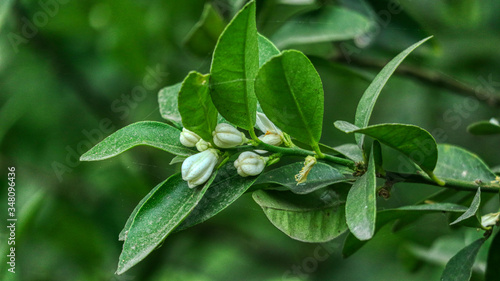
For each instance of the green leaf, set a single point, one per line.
(291, 95)
(492, 268)
(412, 141)
(203, 36)
(474, 206)
(484, 128)
(159, 214)
(234, 67)
(351, 244)
(361, 204)
(168, 102)
(177, 159)
(459, 268)
(195, 105)
(370, 96)
(267, 50)
(456, 164)
(155, 134)
(224, 190)
(317, 217)
(320, 176)
(350, 151)
(324, 25)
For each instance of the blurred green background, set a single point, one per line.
(72, 72)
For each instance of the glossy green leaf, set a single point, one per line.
(472, 210)
(234, 66)
(203, 36)
(459, 268)
(267, 50)
(168, 102)
(492, 268)
(327, 24)
(157, 217)
(224, 190)
(155, 134)
(195, 105)
(350, 151)
(370, 96)
(317, 217)
(412, 141)
(351, 244)
(484, 128)
(456, 164)
(361, 204)
(320, 176)
(290, 93)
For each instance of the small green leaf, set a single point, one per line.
(456, 164)
(324, 25)
(320, 176)
(168, 102)
(474, 206)
(291, 95)
(351, 244)
(224, 190)
(234, 66)
(412, 141)
(492, 268)
(155, 134)
(177, 159)
(317, 217)
(267, 50)
(459, 268)
(203, 36)
(484, 128)
(361, 204)
(195, 105)
(350, 151)
(370, 96)
(157, 217)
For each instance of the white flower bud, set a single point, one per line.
(189, 138)
(202, 145)
(227, 136)
(196, 169)
(272, 139)
(265, 125)
(250, 164)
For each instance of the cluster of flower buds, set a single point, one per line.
(196, 169)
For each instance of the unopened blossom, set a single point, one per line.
(227, 136)
(189, 138)
(250, 164)
(196, 169)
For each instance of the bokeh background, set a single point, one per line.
(72, 72)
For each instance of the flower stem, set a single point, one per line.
(297, 151)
